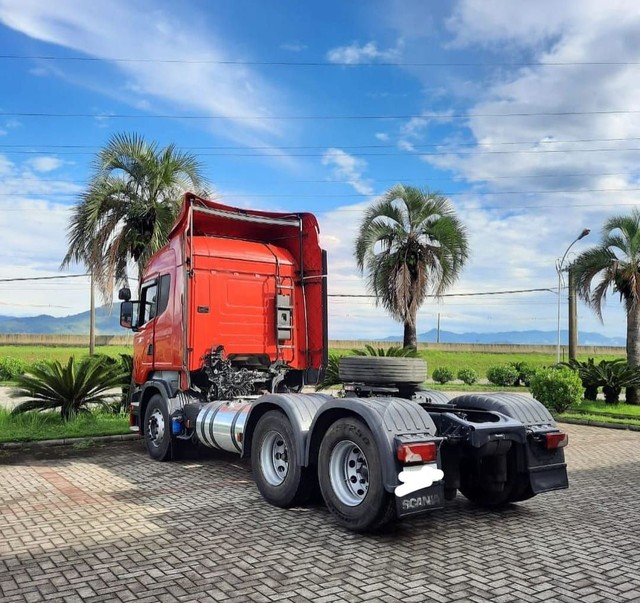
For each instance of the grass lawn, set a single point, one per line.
(33, 353)
(599, 418)
(600, 408)
(480, 361)
(50, 426)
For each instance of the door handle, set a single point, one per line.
(150, 350)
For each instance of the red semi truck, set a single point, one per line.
(231, 324)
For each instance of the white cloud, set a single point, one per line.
(508, 252)
(356, 53)
(45, 164)
(145, 31)
(382, 136)
(349, 168)
(33, 234)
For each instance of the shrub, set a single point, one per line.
(72, 387)
(394, 351)
(468, 376)
(442, 375)
(611, 375)
(331, 374)
(525, 372)
(502, 375)
(557, 389)
(10, 368)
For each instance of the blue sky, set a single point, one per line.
(524, 113)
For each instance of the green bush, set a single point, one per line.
(10, 368)
(442, 375)
(331, 374)
(525, 372)
(557, 389)
(73, 387)
(393, 351)
(502, 375)
(611, 375)
(468, 376)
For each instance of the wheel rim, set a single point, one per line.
(274, 458)
(349, 473)
(156, 428)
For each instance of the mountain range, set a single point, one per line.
(516, 337)
(108, 323)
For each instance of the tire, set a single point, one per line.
(383, 369)
(157, 429)
(348, 453)
(274, 460)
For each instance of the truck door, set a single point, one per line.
(144, 340)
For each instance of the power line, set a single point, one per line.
(398, 153)
(364, 195)
(41, 278)
(338, 295)
(317, 117)
(508, 292)
(397, 179)
(335, 145)
(320, 63)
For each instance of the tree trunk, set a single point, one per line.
(633, 348)
(410, 339)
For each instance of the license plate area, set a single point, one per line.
(420, 501)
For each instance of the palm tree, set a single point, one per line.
(615, 264)
(129, 207)
(410, 243)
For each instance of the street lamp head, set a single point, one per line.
(584, 233)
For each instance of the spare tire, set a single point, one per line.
(382, 370)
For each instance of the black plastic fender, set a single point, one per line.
(546, 468)
(387, 418)
(300, 410)
(148, 389)
(527, 410)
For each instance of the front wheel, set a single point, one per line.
(350, 476)
(157, 429)
(277, 473)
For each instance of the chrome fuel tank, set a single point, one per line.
(221, 424)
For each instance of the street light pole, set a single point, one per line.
(559, 269)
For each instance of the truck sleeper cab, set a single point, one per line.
(229, 326)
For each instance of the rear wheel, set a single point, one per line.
(157, 429)
(277, 473)
(350, 476)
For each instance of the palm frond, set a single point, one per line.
(129, 206)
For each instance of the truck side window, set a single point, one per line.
(163, 299)
(148, 303)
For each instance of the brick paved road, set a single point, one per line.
(111, 525)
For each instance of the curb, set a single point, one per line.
(590, 423)
(68, 441)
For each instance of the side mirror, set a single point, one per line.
(129, 314)
(124, 294)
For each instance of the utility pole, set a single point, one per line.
(559, 269)
(573, 317)
(438, 332)
(92, 319)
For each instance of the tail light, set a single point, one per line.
(556, 440)
(423, 452)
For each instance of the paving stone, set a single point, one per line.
(112, 525)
